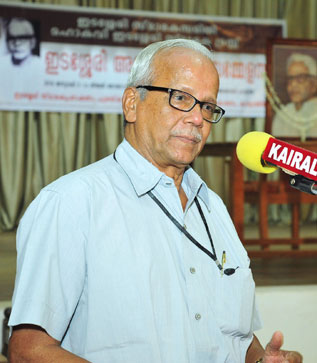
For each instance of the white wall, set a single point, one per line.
(292, 310)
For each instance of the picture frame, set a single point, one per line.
(291, 103)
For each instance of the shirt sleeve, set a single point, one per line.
(51, 265)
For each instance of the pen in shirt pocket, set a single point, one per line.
(223, 261)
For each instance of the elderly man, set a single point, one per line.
(20, 70)
(21, 41)
(300, 115)
(133, 258)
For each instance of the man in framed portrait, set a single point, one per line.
(299, 116)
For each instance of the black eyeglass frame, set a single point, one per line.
(300, 78)
(170, 91)
(19, 38)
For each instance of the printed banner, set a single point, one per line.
(75, 59)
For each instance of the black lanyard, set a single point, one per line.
(212, 255)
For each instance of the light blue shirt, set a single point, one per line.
(103, 269)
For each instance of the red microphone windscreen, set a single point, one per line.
(291, 157)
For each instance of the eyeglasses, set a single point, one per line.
(184, 101)
(299, 78)
(19, 38)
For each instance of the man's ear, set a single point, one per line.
(129, 102)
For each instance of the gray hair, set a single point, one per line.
(309, 62)
(24, 24)
(142, 72)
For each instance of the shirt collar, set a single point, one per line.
(144, 176)
(194, 185)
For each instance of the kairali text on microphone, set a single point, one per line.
(291, 157)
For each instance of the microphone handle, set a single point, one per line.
(303, 184)
(296, 181)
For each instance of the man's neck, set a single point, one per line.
(175, 172)
(298, 106)
(177, 175)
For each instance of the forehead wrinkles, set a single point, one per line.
(160, 66)
(180, 64)
(298, 68)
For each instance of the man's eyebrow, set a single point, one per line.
(300, 75)
(191, 91)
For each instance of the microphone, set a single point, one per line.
(263, 153)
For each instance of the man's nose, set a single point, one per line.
(293, 81)
(195, 116)
(16, 42)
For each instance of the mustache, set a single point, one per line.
(193, 133)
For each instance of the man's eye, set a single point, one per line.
(180, 97)
(209, 107)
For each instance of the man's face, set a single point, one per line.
(300, 85)
(20, 40)
(166, 136)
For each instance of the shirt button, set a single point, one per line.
(197, 316)
(192, 270)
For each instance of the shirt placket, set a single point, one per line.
(194, 261)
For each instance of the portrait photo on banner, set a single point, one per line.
(291, 108)
(19, 57)
(19, 38)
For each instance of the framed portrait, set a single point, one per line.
(291, 106)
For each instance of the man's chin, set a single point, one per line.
(19, 57)
(185, 160)
(185, 155)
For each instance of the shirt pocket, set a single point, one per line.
(235, 299)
